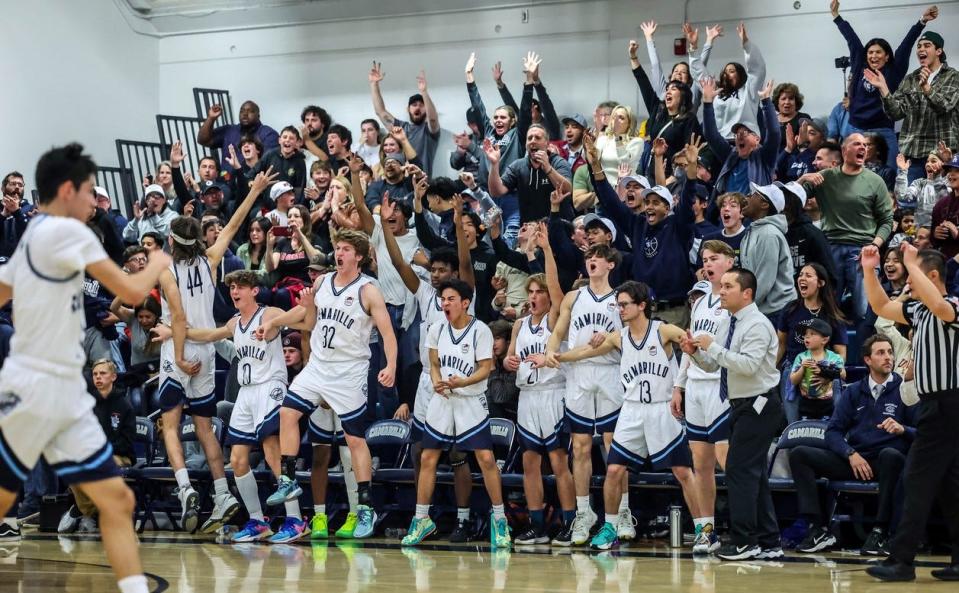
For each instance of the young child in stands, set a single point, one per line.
(815, 370)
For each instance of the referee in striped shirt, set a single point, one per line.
(932, 466)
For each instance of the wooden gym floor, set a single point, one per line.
(184, 564)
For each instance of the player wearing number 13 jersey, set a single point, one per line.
(647, 431)
(341, 313)
(187, 367)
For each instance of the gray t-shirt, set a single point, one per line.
(423, 141)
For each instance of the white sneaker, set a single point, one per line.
(626, 525)
(224, 507)
(69, 523)
(88, 525)
(189, 509)
(582, 525)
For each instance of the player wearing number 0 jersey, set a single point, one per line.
(541, 419)
(44, 405)
(696, 396)
(187, 368)
(593, 394)
(341, 313)
(647, 432)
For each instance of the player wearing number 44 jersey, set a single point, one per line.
(340, 312)
(646, 431)
(44, 407)
(187, 367)
(255, 420)
(541, 419)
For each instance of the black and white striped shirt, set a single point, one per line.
(936, 348)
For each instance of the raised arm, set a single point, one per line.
(878, 299)
(432, 117)
(476, 101)
(755, 64)
(467, 274)
(650, 98)
(375, 77)
(923, 288)
(562, 324)
(717, 143)
(904, 51)
(770, 144)
(204, 135)
(552, 274)
(216, 251)
(658, 77)
(495, 182)
(403, 267)
(367, 223)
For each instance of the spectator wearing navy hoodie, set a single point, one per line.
(866, 113)
(14, 220)
(751, 159)
(660, 240)
(797, 158)
(867, 438)
(807, 244)
(765, 253)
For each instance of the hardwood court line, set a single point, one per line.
(162, 583)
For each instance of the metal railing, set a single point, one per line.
(141, 158)
(205, 98)
(182, 128)
(120, 185)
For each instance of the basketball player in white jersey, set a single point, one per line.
(344, 308)
(445, 264)
(44, 405)
(255, 420)
(593, 393)
(541, 421)
(646, 431)
(187, 368)
(461, 358)
(696, 396)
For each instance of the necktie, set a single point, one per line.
(876, 391)
(723, 386)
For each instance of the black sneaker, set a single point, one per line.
(531, 537)
(875, 544)
(463, 532)
(565, 536)
(817, 540)
(8, 532)
(734, 552)
(949, 573)
(891, 569)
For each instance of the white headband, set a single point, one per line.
(181, 240)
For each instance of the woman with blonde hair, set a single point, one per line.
(619, 143)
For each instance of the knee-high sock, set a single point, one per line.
(349, 478)
(250, 495)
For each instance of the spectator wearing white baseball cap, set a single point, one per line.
(152, 215)
(282, 194)
(807, 244)
(106, 204)
(764, 250)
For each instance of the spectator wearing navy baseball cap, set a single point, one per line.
(764, 250)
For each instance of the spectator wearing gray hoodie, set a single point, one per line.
(765, 252)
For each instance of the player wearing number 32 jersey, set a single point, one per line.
(647, 431)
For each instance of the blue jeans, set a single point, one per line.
(889, 135)
(509, 204)
(849, 276)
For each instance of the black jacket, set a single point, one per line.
(118, 421)
(807, 244)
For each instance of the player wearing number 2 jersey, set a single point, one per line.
(44, 407)
(646, 431)
(186, 367)
(341, 313)
(541, 420)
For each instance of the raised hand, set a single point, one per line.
(468, 179)
(834, 8)
(713, 32)
(902, 162)
(660, 147)
(531, 65)
(877, 79)
(462, 141)
(930, 14)
(137, 211)
(542, 236)
(189, 208)
(869, 257)
(649, 29)
(421, 81)
(692, 35)
(177, 155)
(556, 197)
(470, 65)
(191, 182)
(708, 84)
(767, 90)
(387, 207)
(355, 163)
(624, 169)
(945, 153)
(263, 179)
(741, 31)
(633, 48)
(457, 206)
(214, 112)
(790, 138)
(399, 133)
(496, 225)
(693, 148)
(376, 74)
(492, 152)
(498, 74)
(420, 185)
(590, 151)
(233, 159)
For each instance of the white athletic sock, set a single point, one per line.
(624, 503)
(220, 487)
(422, 511)
(698, 523)
(349, 479)
(582, 504)
(182, 479)
(319, 509)
(463, 513)
(293, 509)
(250, 495)
(499, 512)
(707, 521)
(611, 519)
(133, 584)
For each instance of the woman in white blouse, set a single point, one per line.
(620, 143)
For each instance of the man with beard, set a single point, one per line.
(316, 122)
(152, 216)
(925, 102)
(423, 129)
(394, 181)
(14, 221)
(856, 211)
(225, 136)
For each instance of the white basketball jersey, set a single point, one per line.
(431, 313)
(591, 314)
(343, 327)
(532, 339)
(460, 350)
(647, 373)
(706, 317)
(260, 361)
(46, 275)
(197, 292)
